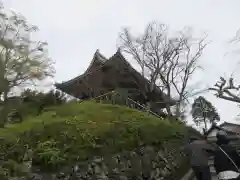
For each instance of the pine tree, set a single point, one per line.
(204, 112)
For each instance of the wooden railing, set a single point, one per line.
(115, 97)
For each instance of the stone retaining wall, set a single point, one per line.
(146, 163)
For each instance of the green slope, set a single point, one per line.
(77, 132)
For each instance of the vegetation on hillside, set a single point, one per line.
(32, 103)
(77, 132)
(40, 100)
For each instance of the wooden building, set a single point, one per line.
(104, 75)
(231, 129)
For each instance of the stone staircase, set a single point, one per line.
(213, 172)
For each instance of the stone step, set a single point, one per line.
(212, 170)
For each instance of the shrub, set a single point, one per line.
(47, 155)
(32, 103)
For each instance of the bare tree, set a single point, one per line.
(22, 60)
(227, 90)
(168, 61)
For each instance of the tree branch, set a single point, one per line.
(223, 90)
(169, 60)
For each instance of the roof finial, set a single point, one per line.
(119, 50)
(96, 54)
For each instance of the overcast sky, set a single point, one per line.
(74, 30)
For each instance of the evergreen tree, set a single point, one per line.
(204, 112)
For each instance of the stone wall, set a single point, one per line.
(145, 163)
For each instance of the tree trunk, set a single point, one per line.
(178, 113)
(4, 110)
(178, 107)
(168, 108)
(205, 123)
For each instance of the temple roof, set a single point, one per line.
(101, 61)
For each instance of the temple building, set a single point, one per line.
(105, 75)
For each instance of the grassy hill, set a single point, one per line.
(71, 133)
